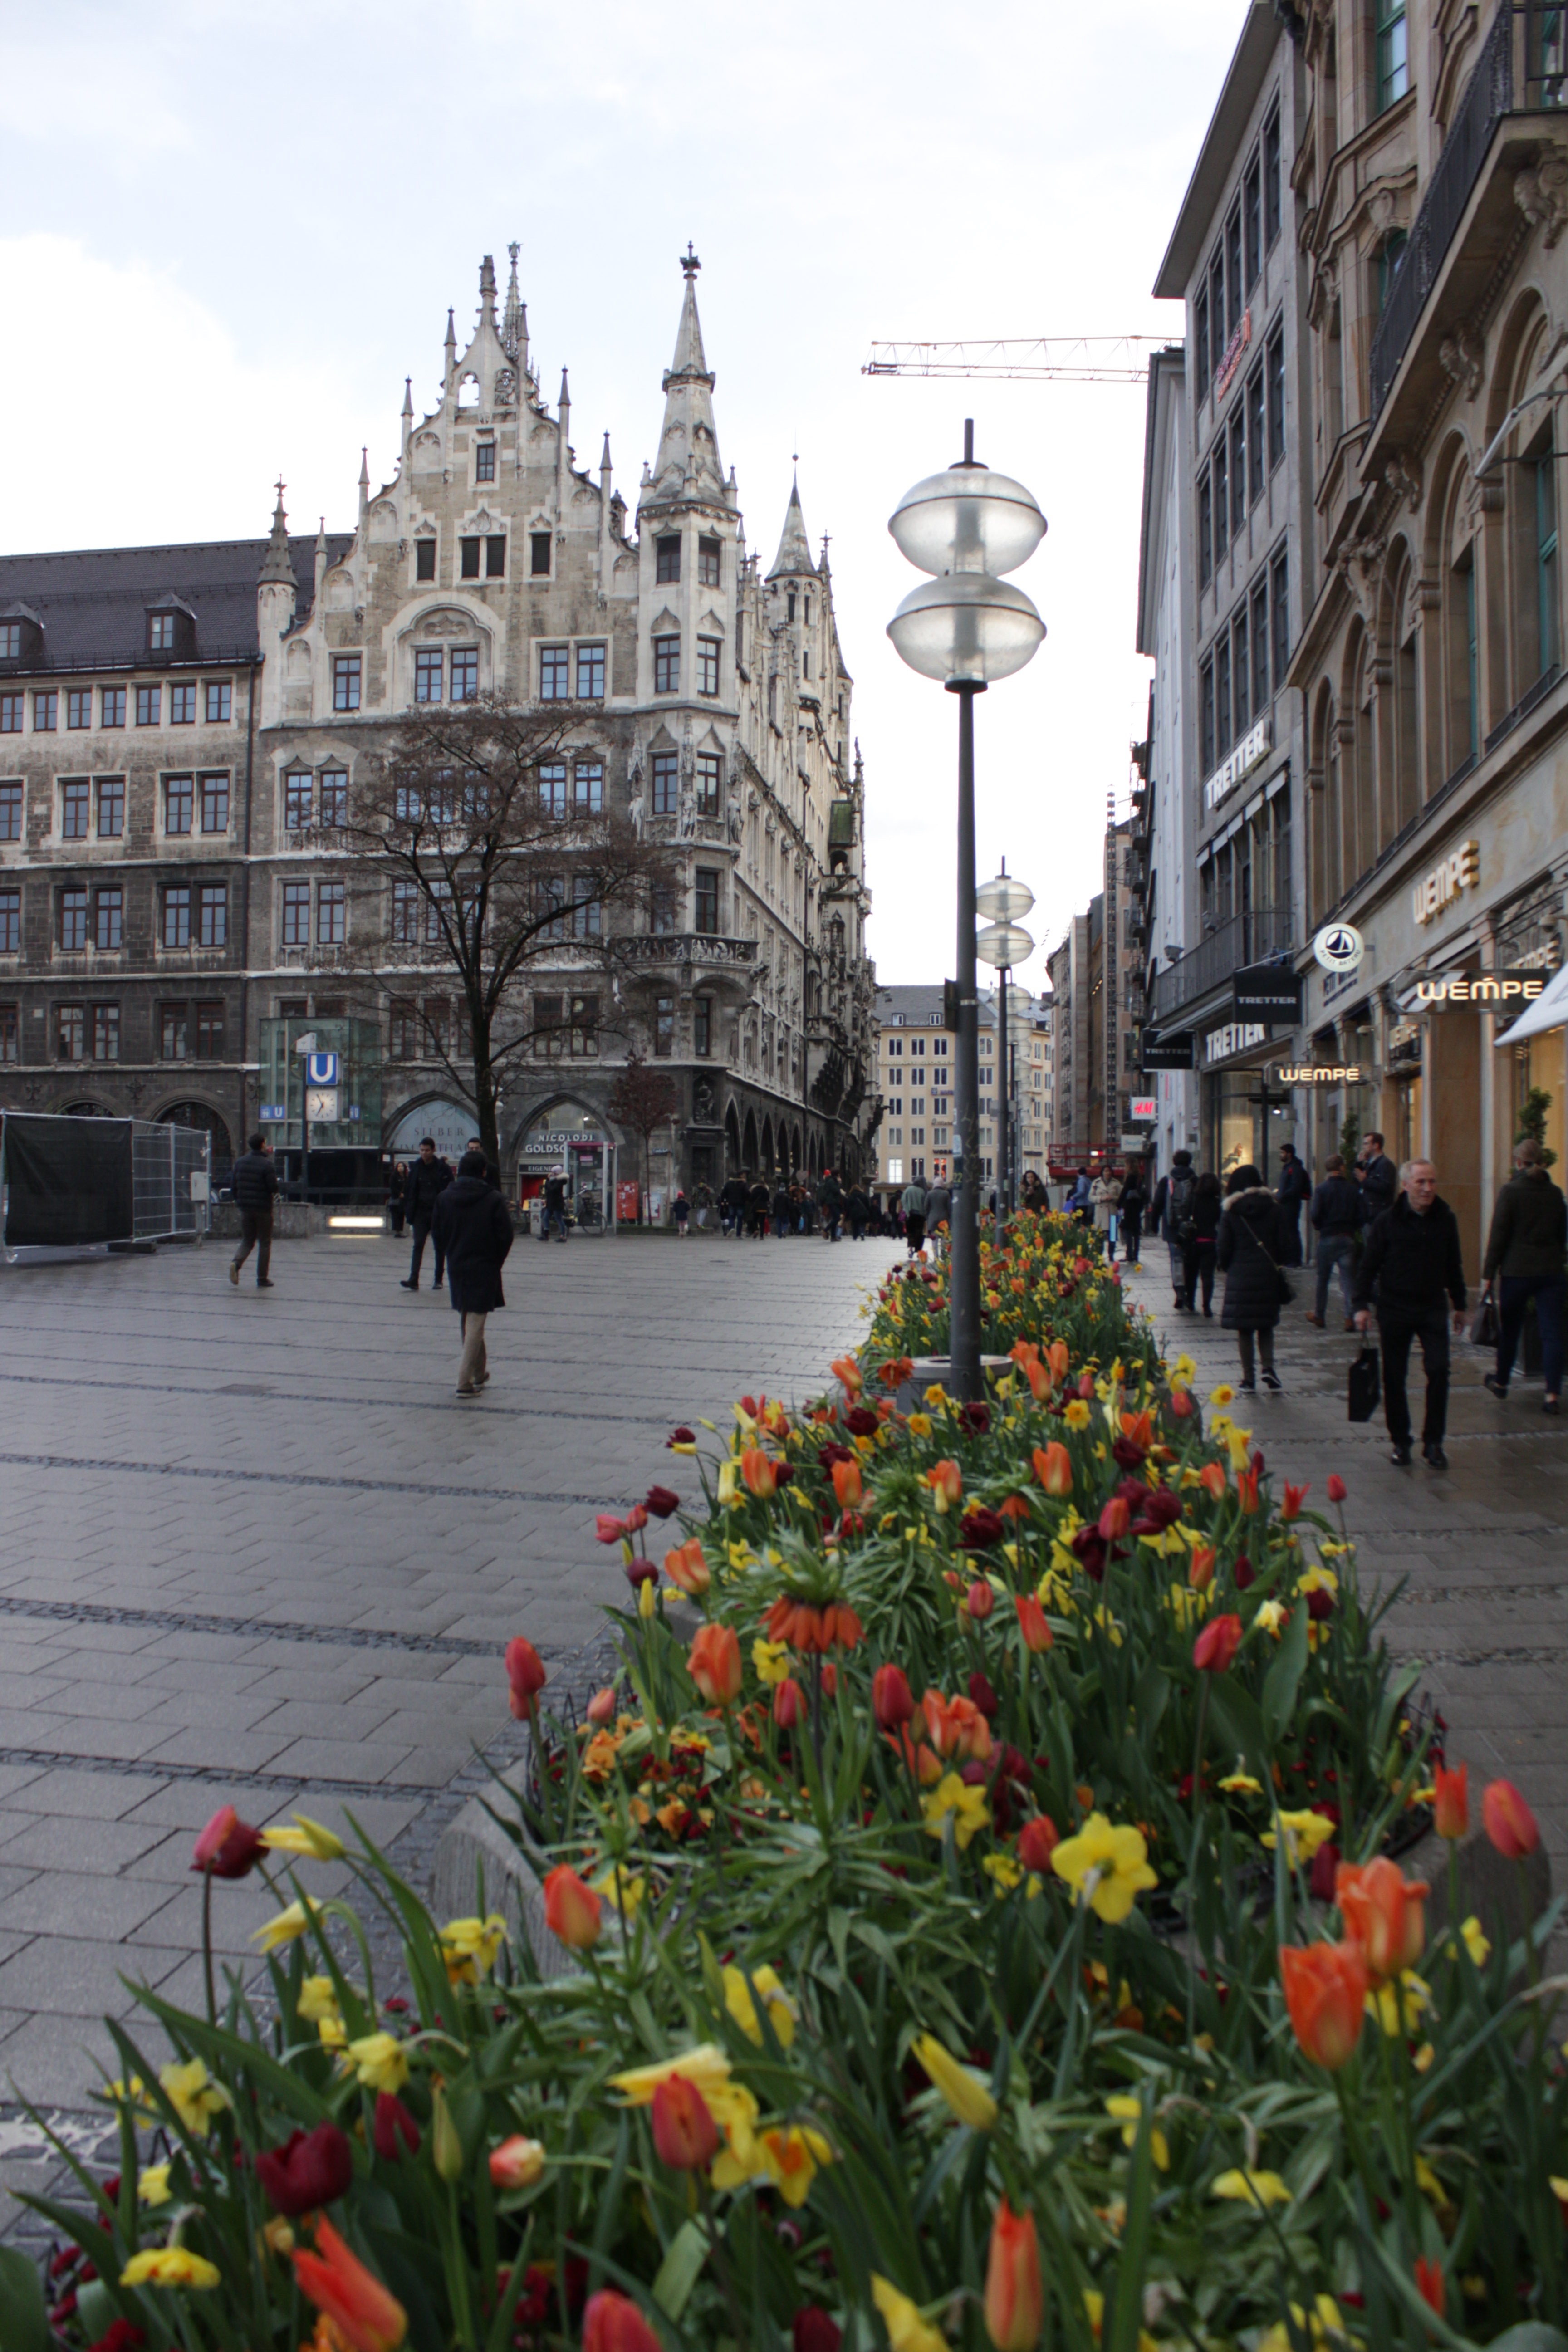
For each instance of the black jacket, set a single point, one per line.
(783, 1205)
(472, 1225)
(1133, 1201)
(1410, 1260)
(427, 1180)
(254, 1182)
(1293, 1187)
(1248, 1252)
(1204, 1210)
(1530, 1225)
(1172, 1195)
(1338, 1206)
(1379, 1185)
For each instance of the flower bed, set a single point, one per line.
(984, 1935)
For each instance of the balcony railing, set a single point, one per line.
(1243, 940)
(1525, 52)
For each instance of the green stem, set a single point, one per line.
(207, 1944)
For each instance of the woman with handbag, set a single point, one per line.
(1248, 1254)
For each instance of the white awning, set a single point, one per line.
(1550, 1011)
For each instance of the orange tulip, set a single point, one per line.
(1039, 1380)
(1200, 1568)
(686, 1567)
(354, 2298)
(1431, 2285)
(713, 1662)
(848, 1373)
(1385, 1912)
(602, 1706)
(1508, 1821)
(789, 1704)
(757, 1470)
(1138, 1427)
(1290, 1508)
(1057, 1357)
(922, 1761)
(573, 1912)
(846, 1483)
(1217, 1644)
(1037, 1841)
(956, 1727)
(612, 2322)
(1115, 1519)
(1212, 1478)
(1246, 1490)
(1325, 1992)
(1052, 1469)
(1453, 1800)
(946, 1482)
(1014, 2300)
(1032, 1625)
(980, 1600)
(684, 2131)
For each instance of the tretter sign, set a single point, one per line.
(1253, 747)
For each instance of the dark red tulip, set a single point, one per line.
(982, 1528)
(660, 1501)
(861, 1422)
(228, 1847)
(815, 2330)
(1243, 1573)
(984, 1696)
(394, 2129)
(310, 2169)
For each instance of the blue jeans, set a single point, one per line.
(1334, 1250)
(1514, 1291)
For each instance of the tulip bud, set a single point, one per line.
(612, 2322)
(687, 1567)
(1508, 1821)
(1052, 1469)
(446, 2143)
(661, 1501)
(525, 1672)
(573, 1912)
(1217, 1644)
(517, 2163)
(1015, 2299)
(1037, 1841)
(757, 1470)
(602, 1706)
(980, 1600)
(1325, 1992)
(713, 1662)
(1200, 1568)
(684, 2131)
(1032, 1624)
(1453, 1800)
(1338, 1490)
(846, 1483)
(394, 2128)
(789, 1703)
(892, 1701)
(1115, 1519)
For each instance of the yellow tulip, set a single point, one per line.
(288, 1923)
(742, 2008)
(170, 2266)
(907, 2331)
(959, 2085)
(1256, 2188)
(311, 1838)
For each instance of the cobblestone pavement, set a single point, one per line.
(252, 1547)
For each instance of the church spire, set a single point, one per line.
(514, 319)
(275, 563)
(488, 290)
(688, 461)
(794, 558)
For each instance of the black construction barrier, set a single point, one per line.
(68, 1181)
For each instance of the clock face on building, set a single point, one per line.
(322, 1105)
(1339, 947)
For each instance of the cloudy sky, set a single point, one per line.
(230, 233)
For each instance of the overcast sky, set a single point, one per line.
(230, 233)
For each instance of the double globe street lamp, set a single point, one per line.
(1004, 944)
(967, 626)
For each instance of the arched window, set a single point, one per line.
(1325, 884)
(1399, 746)
(1461, 637)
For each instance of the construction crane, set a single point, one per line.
(1074, 359)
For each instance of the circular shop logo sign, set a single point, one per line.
(1339, 947)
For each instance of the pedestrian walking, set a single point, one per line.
(1336, 1214)
(427, 1180)
(830, 1204)
(1527, 1256)
(938, 1218)
(680, 1210)
(1294, 1187)
(1105, 1194)
(702, 1202)
(857, 1209)
(1132, 1209)
(784, 1210)
(1170, 1217)
(397, 1190)
(1248, 1254)
(757, 1201)
(475, 1150)
(1378, 1179)
(1200, 1253)
(473, 1231)
(912, 1201)
(1079, 1202)
(554, 1206)
(1411, 1262)
(254, 1183)
(732, 1205)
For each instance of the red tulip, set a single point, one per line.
(1294, 1498)
(1036, 1632)
(661, 1501)
(684, 2131)
(1247, 1491)
(228, 1847)
(1508, 1821)
(789, 1703)
(1037, 1841)
(892, 1701)
(1115, 1519)
(1452, 1808)
(525, 1672)
(1015, 2299)
(815, 2330)
(573, 1912)
(1338, 1490)
(1430, 2284)
(354, 2298)
(613, 2323)
(980, 1600)
(394, 2128)
(1325, 1992)
(1217, 1644)
(310, 2169)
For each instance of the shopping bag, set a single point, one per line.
(1486, 1324)
(1365, 1384)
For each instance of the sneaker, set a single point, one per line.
(465, 1392)
(1208, 1314)
(233, 1274)
(1499, 1388)
(1270, 1378)
(262, 1284)
(1400, 1456)
(1316, 1321)
(406, 1284)
(1549, 1404)
(1434, 1456)
(1247, 1388)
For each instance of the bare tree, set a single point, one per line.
(495, 866)
(644, 1098)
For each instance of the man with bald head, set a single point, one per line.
(1412, 1266)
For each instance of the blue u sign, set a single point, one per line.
(321, 1069)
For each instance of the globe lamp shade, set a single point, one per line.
(967, 519)
(1004, 945)
(1004, 901)
(967, 629)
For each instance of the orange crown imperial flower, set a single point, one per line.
(806, 1627)
(1325, 1992)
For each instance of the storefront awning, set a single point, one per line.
(1550, 1011)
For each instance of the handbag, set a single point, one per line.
(1285, 1291)
(1365, 1384)
(1485, 1323)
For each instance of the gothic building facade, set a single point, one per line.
(182, 906)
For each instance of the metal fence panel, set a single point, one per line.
(171, 1176)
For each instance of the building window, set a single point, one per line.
(554, 673)
(73, 921)
(1232, 271)
(667, 665)
(665, 783)
(1257, 470)
(708, 781)
(403, 1033)
(1206, 718)
(74, 808)
(1259, 648)
(10, 811)
(666, 557)
(214, 915)
(424, 559)
(160, 633)
(148, 702)
(485, 461)
(707, 650)
(46, 712)
(433, 1024)
(664, 1026)
(465, 673)
(587, 907)
(1390, 254)
(1472, 660)
(1392, 53)
(107, 914)
(895, 1172)
(10, 923)
(1205, 531)
(495, 556)
(331, 915)
(215, 803)
(10, 1032)
(296, 914)
(110, 807)
(590, 673)
(179, 797)
(707, 900)
(182, 706)
(112, 706)
(539, 554)
(1252, 220)
(590, 787)
(171, 1032)
(1220, 471)
(346, 681)
(10, 714)
(1546, 559)
(404, 913)
(702, 1026)
(1237, 466)
(1280, 616)
(427, 674)
(662, 910)
(220, 702)
(1240, 671)
(209, 1033)
(553, 787)
(710, 563)
(468, 558)
(78, 706)
(1271, 215)
(10, 640)
(334, 796)
(177, 915)
(106, 1032)
(70, 1033)
(1201, 337)
(1274, 365)
(299, 798)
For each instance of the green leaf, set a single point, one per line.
(681, 2269)
(1239, 1720)
(24, 2322)
(1283, 1679)
(1127, 2317)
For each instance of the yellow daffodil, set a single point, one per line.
(919, 1424)
(1128, 2111)
(1077, 1415)
(1106, 1866)
(623, 1890)
(1223, 1394)
(170, 2266)
(1322, 2326)
(1242, 1784)
(792, 2156)
(469, 1947)
(959, 2085)
(1428, 2183)
(1010, 1873)
(1239, 1442)
(153, 2184)
(380, 2060)
(1476, 1943)
(1397, 2008)
(1109, 1625)
(740, 1555)
(1115, 2214)
(771, 1660)
(318, 1998)
(1183, 1371)
(1256, 2188)
(1304, 1833)
(193, 2095)
(132, 2095)
(969, 1807)
(706, 2068)
(907, 2331)
(308, 1838)
(1270, 1616)
(1424, 2058)
(738, 2000)
(290, 1922)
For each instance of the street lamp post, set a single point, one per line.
(1004, 944)
(965, 627)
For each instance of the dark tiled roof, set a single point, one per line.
(93, 602)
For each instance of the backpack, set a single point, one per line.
(1184, 1226)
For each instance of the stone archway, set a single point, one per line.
(749, 1143)
(201, 1115)
(767, 1163)
(731, 1142)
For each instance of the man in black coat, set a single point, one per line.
(255, 1186)
(1411, 1261)
(1294, 1187)
(473, 1231)
(427, 1180)
(1378, 1179)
